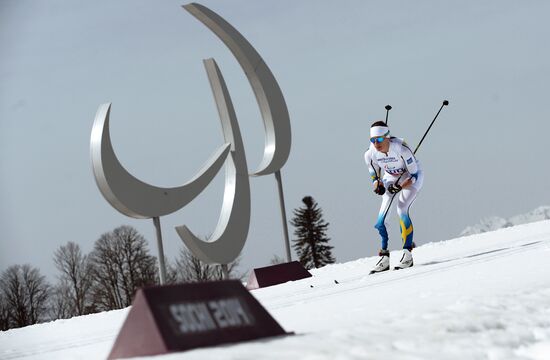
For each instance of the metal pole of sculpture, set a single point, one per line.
(268, 95)
(162, 266)
(283, 212)
(225, 271)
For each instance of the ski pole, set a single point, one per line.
(445, 103)
(388, 108)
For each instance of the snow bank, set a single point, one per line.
(483, 296)
(494, 223)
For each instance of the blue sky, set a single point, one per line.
(338, 65)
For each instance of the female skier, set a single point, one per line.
(395, 172)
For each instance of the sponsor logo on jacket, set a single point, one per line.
(394, 171)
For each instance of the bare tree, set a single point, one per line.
(189, 268)
(75, 277)
(4, 314)
(61, 306)
(25, 293)
(171, 272)
(120, 264)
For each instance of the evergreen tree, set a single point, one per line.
(311, 244)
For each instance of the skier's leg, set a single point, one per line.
(381, 222)
(404, 202)
(383, 263)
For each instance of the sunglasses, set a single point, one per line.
(378, 139)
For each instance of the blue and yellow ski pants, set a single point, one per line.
(404, 199)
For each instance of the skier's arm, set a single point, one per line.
(411, 165)
(374, 169)
(375, 173)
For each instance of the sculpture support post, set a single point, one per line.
(225, 271)
(283, 214)
(162, 266)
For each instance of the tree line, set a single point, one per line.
(120, 263)
(105, 279)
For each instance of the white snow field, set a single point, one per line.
(484, 296)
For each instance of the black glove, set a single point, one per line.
(394, 188)
(380, 189)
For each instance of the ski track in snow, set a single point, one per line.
(485, 296)
(331, 288)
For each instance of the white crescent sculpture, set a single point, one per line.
(131, 196)
(266, 89)
(230, 234)
(137, 199)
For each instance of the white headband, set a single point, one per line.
(377, 131)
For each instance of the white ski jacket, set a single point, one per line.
(398, 161)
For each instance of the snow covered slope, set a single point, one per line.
(485, 296)
(494, 223)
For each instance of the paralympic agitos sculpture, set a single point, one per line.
(137, 199)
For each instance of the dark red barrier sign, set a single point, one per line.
(173, 318)
(276, 274)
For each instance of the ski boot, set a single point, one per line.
(383, 264)
(406, 260)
